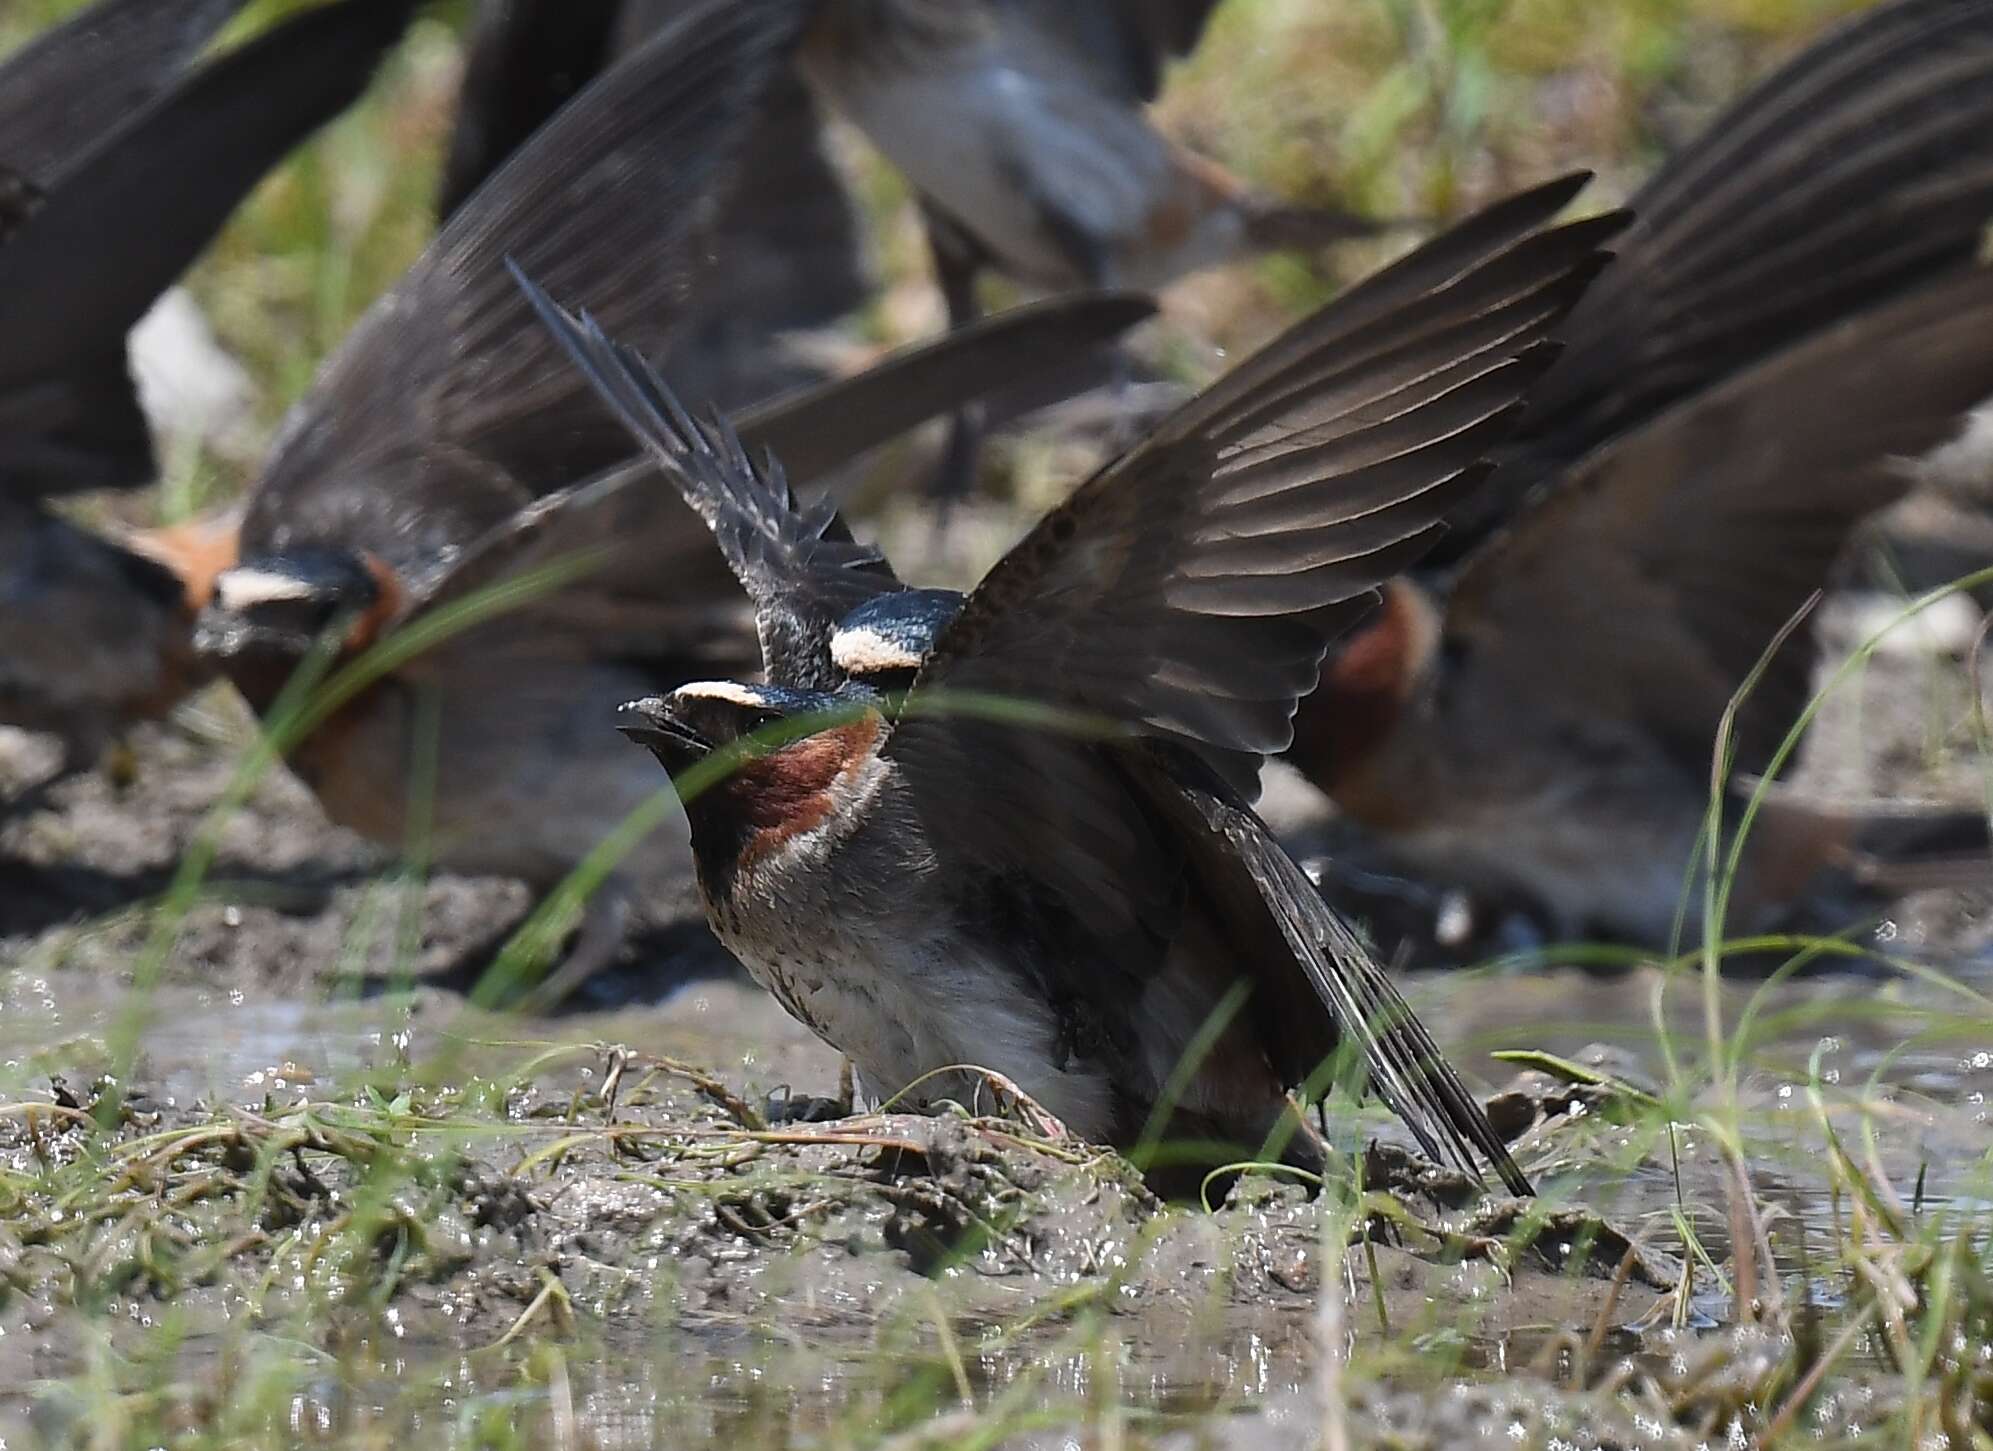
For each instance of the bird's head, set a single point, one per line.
(783, 762)
(266, 614)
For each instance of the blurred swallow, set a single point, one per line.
(1043, 860)
(1858, 171)
(1796, 308)
(1544, 730)
(1022, 125)
(95, 634)
(1022, 122)
(111, 207)
(447, 447)
(787, 227)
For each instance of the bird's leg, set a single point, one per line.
(605, 924)
(784, 1107)
(959, 260)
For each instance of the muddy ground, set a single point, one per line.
(330, 1202)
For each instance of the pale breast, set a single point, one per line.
(858, 943)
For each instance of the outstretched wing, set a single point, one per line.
(799, 564)
(1190, 589)
(1710, 526)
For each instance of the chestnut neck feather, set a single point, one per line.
(767, 801)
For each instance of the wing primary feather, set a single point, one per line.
(1407, 1068)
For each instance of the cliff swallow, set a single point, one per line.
(1042, 859)
(446, 447)
(1797, 305)
(1021, 124)
(98, 631)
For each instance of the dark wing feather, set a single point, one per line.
(19, 200)
(1407, 1069)
(1860, 169)
(793, 247)
(118, 226)
(610, 203)
(1709, 527)
(799, 566)
(524, 60)
(1190, 589)
(817, 429)
(67, 89)
(616, 565)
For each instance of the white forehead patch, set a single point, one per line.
(731, 691)
(862, 650)
(242, 589)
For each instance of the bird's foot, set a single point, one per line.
(1015, 1103)
(784, 1107)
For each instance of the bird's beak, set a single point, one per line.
(654, 724)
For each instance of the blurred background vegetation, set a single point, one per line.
(1407, 108)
